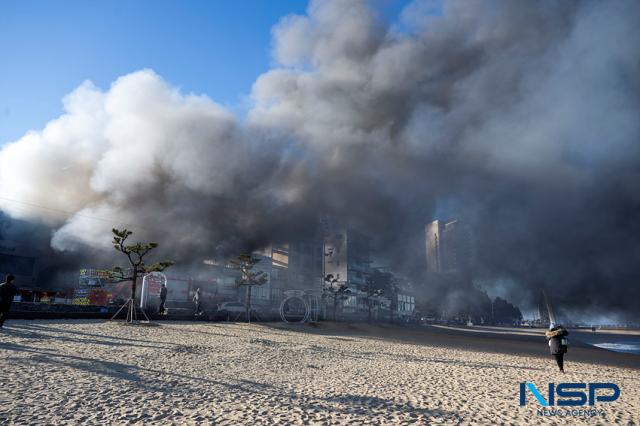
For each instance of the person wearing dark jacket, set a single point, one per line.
(7, 291)
(197, 300)
(163, 298)
(557, 343)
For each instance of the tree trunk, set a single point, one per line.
(335, 306)
(132, 307)
(133, 284)
(369, 305)
(247, 305)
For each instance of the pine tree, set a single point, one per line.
(135, 255)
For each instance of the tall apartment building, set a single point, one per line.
(433, 239)
(348, 259)
(348, 256)
(449, 247)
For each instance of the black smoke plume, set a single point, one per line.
(524, 115)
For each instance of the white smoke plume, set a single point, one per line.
(523, 113)
(141, 154)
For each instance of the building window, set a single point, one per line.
(260, 292)
(406, 303)
(276, 294)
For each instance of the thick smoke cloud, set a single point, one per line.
(146, 156)
(523, 115)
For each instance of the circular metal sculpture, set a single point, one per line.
(295, 305)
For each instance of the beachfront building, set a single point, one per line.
(403, 297)
(348, 260)
(458, 248)
(406, 305)
(299, 264)
(433, 238)
(348, 257)
(20, 261)
(294, 266)
(449, 247)
(226, 288)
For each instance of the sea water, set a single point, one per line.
(628, 346)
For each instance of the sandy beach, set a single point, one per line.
(96, 372)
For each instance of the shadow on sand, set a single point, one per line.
(147, 379)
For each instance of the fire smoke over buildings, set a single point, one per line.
(523, 115)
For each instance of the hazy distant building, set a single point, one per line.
(19, 261)
(289, 266)
(543, 316)
(298, 265)
(221, 282)
(433, 239)
(458, 247)
(449, 247)
(348, 257)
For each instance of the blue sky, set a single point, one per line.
(214, 47)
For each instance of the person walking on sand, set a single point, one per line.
(197, 299)
(557, 343)
(7, 291)
(163, 298)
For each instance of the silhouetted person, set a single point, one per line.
(7, 291)
(557, 343)
(163, 298)
(197, 299)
